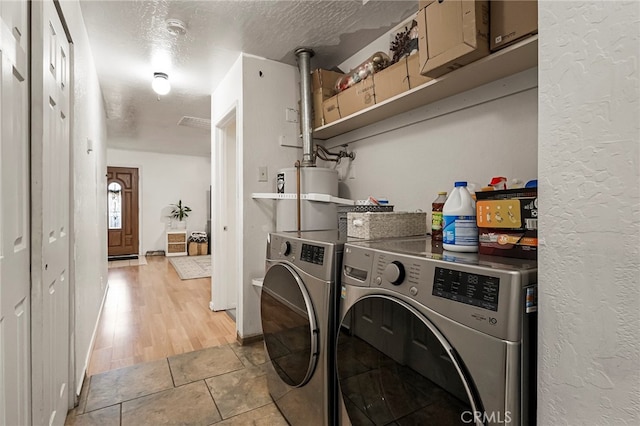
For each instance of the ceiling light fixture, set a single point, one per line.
(176, 27)
(161, 83)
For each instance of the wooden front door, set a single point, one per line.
(122, 193)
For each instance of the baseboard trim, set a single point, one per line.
(93, 340)
(249, 339)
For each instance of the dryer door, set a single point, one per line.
(395, 367)
(289, 325)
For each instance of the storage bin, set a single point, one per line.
(343, 210)
(386, 224)
(198, 249)
(198, 244)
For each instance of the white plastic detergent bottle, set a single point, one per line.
(459, 229)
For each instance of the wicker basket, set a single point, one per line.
(175, 248)
(343, 210)
(177, 238)
(386, 225)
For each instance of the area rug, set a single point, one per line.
(190, 267)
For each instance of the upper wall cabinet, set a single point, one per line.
(511, 60)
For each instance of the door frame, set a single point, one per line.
(226, 283)
(139, 200)
(140, 205)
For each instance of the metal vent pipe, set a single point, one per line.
(304, 65)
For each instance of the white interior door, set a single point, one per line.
(15, 241)
(224, 235)
(50, 220)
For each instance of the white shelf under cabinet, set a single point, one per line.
(503, 63)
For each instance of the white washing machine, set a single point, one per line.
(299, 321)
(435, 338)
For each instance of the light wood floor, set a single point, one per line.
(150, 314)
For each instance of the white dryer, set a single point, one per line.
(430, 338)
(299, 322)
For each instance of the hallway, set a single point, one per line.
(163, 357)
(150, 314)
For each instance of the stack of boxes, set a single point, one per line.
(323, 87)
(451, 34)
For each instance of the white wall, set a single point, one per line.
(226, 249)
(163, 180)
(264, 123)
(489, 131)
(89, 246)
(589, 279)
(261, 96)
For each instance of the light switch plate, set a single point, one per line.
(263, 174)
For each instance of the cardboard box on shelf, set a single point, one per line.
(324, 79)
(511, 21)
(330, 110)
(452, 33)
(508, 223)
(357, 97)
(322, 88)
(391, 81)
(319, 96)
(413, 67)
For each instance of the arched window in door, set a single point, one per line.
(115, 205)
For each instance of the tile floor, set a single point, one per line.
(223, 385)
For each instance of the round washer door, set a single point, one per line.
(395, 367)
(289, 325)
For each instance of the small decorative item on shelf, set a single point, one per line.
(179, 213)
(405, 42)
(376, 62)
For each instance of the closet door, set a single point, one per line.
(50, 186)
(15, 243)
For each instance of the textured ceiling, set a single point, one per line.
(130, 42)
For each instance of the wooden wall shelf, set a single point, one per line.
(503, 63)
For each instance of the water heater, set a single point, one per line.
(315, 215)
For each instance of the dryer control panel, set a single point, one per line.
(316, 257)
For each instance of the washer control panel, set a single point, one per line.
(486, 298)
(464, 287)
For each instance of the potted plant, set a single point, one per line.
(179, 213)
